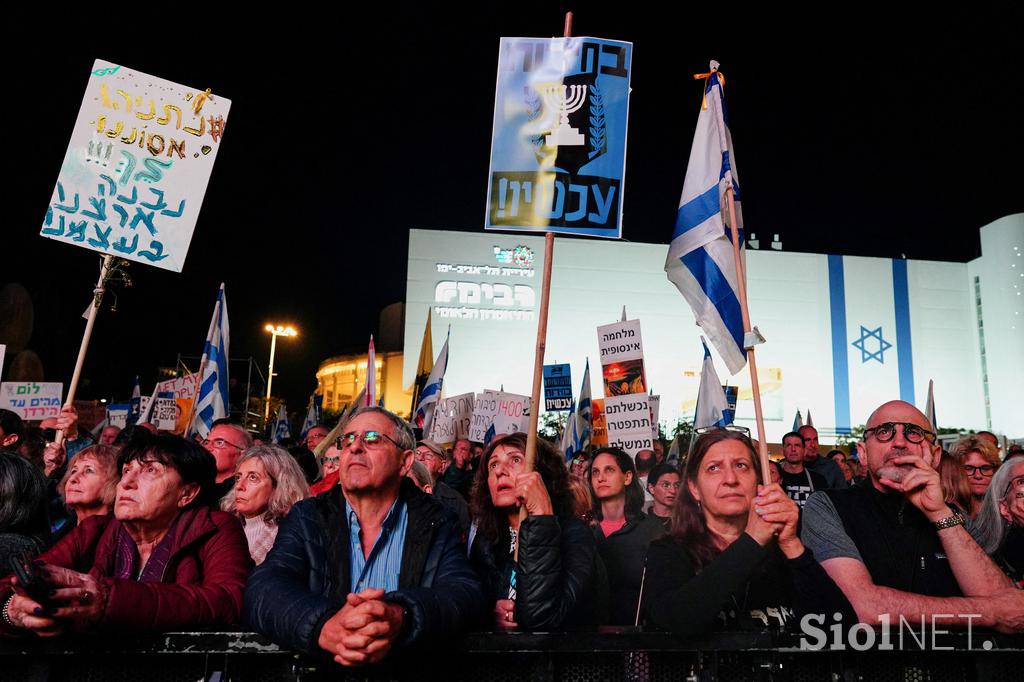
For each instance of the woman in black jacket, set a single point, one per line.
(558, 581)
(623, 531)
(733, 559)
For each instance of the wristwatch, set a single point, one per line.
(955, 519)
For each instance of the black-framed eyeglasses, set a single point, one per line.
(911, 432)
(985, 470)
(371, 439)
(330, 460)
(1017, 482)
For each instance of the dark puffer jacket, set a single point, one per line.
(624, 553)
(305, 579)
(560, 580)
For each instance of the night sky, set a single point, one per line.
(866, 133)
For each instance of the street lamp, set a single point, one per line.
(275, 331)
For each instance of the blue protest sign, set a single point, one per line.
(558, 146)
(557, 388)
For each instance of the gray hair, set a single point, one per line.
(989, 526)
(421, 475)
(285, 474)
(403, 432)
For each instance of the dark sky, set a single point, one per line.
(864, 132)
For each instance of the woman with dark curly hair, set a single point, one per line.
(623, 531)
(558, 581)
(733, 559)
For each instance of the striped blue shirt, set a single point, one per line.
(382, 567)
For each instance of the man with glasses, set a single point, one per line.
(893, 545)
(226, 441)
(435, 460)
(371, 565)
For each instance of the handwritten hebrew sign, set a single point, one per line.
(558, 147)
(137, 167)
(30, 400)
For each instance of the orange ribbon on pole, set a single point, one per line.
(706, 76)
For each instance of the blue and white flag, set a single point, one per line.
(212, 402)
(700, 257)
(584, 413)
(798, 421)
(711, 402)
(281, 430)
(569, 434)
(314, 416)
(432, 391)
(135, 404)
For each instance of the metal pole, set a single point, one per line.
(248, 393)
(270, 379)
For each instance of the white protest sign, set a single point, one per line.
(628, 418)
(184, 390)
(30, 400)
(137, 167)
(164, 415)
(452, 417)
(485, 406)
(655, 403)
(513, 413)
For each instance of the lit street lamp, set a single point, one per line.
(275, 331)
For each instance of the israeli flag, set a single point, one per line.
(711, 402)
(798, 421)
(700, 257)
(314, 415)
(212, 402)
(929, 407)
(584, 414)
(570, 435)
(432, 390)
(281, 430)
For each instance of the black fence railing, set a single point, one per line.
(585, 657)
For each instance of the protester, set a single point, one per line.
(580, 467)
(371, 565)
(839, 457)
(459, 474)
(108, 435)
(268, 482)
(89, 484)
(659, 450)
(894, 546)
(663, 485)
(644, 462)
(133, 436)
(164, 560)
(955, 488)
(435, 459)
(315, 435)
(733, 555)
(979, 460)
(822, 466)
(330, 466)
(558, 580)
(999, 526)
(623, 531)
(11, 429)
(67, 423)
(796, 479)
(226, 441)
(420, 475)
(24, 521)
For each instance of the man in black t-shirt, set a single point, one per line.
(797, 480)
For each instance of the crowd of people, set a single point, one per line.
(387, 544)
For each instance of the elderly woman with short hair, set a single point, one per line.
(268, 482)
(89, 485)
(162, 561)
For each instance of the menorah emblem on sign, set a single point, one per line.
(567, 99)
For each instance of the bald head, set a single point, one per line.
(810, 435)
(898, 411)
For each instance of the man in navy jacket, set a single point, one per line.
(371, 565)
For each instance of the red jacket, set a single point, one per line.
(202, 585)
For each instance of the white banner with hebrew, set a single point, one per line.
(30, 400)
(137, 167)
(628, 419)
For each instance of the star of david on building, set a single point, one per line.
(869, 340)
